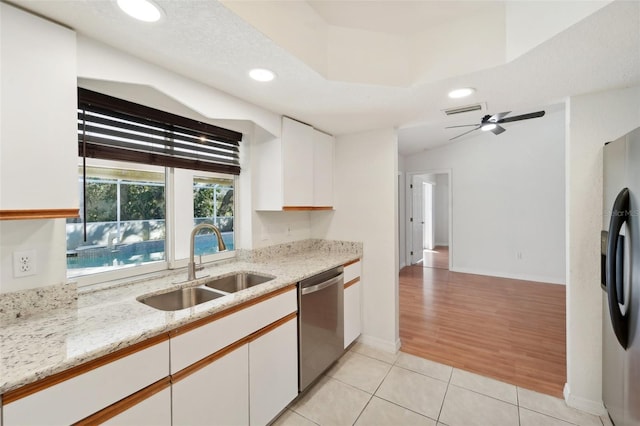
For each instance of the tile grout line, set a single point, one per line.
(518, 402)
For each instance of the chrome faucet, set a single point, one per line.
(192, 264)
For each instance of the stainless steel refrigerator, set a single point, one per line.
(621, 280)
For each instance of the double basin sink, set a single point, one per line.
(211, 289)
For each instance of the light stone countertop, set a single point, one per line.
(110, 318)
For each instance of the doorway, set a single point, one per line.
(429, 219)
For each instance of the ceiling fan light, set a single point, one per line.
(142, 10)
(461, 93)
(487, 127)
(262, 74)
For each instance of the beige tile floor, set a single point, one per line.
(371, 387)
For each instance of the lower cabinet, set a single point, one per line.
(74, 395)
(273, 372)
(152, 411)
(352, 313)
(247, 383)
(216, 394)
(352, 301)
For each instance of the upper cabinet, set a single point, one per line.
(294, 172)
(38, 136)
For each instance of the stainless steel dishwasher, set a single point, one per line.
(320, 324)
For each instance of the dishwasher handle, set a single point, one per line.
(312, 289)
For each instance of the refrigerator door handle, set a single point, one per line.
(614, 267)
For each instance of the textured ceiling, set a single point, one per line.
(208, 42)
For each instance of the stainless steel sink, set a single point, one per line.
(180, 299)
(236, 282)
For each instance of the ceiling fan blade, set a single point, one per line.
(477, 127)
(498, 129)
(499, 116)
(464, 125)
(522, 117)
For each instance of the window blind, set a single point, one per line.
(114, 129)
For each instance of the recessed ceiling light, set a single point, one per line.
(142, 10)
(488, 126)
(461, 93)
(262, 74)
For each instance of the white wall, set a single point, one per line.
(47, 238)
(507, 198)
(592, 120)
(366, 210)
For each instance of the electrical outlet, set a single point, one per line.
(24, 263)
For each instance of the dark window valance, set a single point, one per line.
(114, 129)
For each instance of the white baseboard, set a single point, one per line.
(583, 404)
(524, 277)
(441, 244)
(383, 345)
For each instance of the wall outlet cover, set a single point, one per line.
(24, 263)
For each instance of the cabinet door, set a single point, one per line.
(297, 163)
(78, 397)
(323, 146)
(39, 149)
(153, 411)
(352, 313)
(273, 372)
(217, 394)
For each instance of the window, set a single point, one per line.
(122, 222)
(213, 202)
(128, 153)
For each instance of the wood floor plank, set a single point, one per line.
(510, 330)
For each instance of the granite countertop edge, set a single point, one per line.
(110, 318)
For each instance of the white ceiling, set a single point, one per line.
(205, 40)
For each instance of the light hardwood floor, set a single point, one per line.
(511, 330)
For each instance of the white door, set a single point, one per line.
(428, 227)
(417, 220)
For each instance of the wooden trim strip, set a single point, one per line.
(125, 403)
(351, 262)
(199, 365)
(199, 323)
(38, 214)
(352, 282)
(296, 208)
(305, 208)
(264, 330)
(31, 388)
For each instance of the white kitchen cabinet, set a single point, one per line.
(38, 130)
(297, 163)
(294, 172)
(323, 148)
(243, 363)
(199, 340)
(273, 372)
(76, 394)
(152, 411)
(352, 303)
(216, 394)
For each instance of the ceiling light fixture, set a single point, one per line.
(488, 126)
(142, 10)
(262, 74)
(461, 93)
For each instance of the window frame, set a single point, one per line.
(173, 260)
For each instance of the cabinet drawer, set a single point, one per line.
(82, 394)
(189, 344)
(352, 271)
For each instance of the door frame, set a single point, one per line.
(409, 211)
